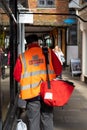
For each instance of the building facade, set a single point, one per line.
(51, 13)
(81, 11)
(48, 6)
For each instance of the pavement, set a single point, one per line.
(73, 116)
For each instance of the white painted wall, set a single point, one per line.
(83, 27)
(72, 53)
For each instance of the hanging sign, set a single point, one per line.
(26, 17)
(69, 21)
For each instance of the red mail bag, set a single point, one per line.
(58, 94)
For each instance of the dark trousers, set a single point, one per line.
(40, 116)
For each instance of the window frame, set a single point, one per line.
(46, 5)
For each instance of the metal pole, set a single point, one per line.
(19, 38)
(13, 50)
(22, 38)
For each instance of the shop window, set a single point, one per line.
(72, 30)
(72, 39)
(46, 3)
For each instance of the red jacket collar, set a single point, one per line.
(33, 45)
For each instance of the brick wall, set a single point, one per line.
(61, 6)
(4, 19)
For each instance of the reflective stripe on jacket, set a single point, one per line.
(33, 72)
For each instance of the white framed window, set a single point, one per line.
(46, 3)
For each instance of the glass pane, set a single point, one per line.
(5, 86)
(50, 2)
(41, 2)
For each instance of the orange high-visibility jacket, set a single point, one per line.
(33, 72)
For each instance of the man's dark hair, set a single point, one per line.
(31, 38)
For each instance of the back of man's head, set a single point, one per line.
(31, 38)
